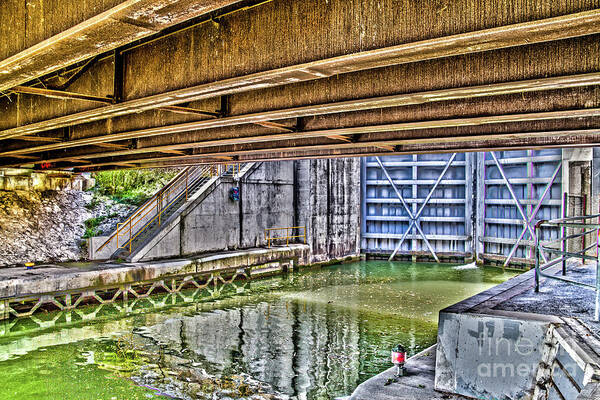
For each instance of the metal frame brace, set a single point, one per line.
(415, 220)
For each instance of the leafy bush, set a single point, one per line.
(91, 226)
(132, 186)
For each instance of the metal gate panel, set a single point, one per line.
(519, 188)
(442, 215)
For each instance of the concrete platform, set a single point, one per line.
(67, 285)
(498, 343)
(416, 384)
(512, 343)
(559, 298)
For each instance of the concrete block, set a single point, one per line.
(95, 242)
(485, 356)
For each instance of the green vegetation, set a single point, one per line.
(91, 226)
(132, 186)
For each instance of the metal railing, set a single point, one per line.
(289, 234)
(560, 247)
(154, 209)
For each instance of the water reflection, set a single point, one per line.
(312, 335)
(297, 348)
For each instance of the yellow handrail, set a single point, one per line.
(289, 230)
(178, 186)
(155, 202)
(160, 209)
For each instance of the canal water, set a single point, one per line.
(314, 334)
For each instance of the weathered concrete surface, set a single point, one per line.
(80, 30)
(558, 298)
(484, 356)
(20, 282)
(328, 203)
(322, 195)
(12, 179)
(498, 343)
(416, 384)
(267, 201)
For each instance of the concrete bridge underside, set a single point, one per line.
(147, 83)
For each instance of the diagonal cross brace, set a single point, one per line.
(526, 220)
(410, 216)
(534, 214)
(414, 220)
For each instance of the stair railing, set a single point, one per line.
(177, 186)
(164, 200)
(588, 224)
(155, 208)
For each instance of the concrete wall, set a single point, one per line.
(25, 179)
(328, 203)
(323, 195)
(488, 356)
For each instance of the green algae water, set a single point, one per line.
(314, 334)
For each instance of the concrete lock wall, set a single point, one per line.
(323, 195)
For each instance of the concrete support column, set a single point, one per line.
(479, 198)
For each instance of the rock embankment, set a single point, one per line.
(42, 226)
(50, 226)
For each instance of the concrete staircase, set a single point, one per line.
(148, 220)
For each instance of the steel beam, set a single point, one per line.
(551, 29)
(60, 94)
(306, 154)
(484, 142)
(389, 128)
(562, 82)
(118, 90)
(77, 74)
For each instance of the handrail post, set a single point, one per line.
(537, 260)
(287, 236)
(130, 233)
(584, 208)
(187, 176)
(159, 208)
(597, 310)
(563, 243)
(304, 234)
